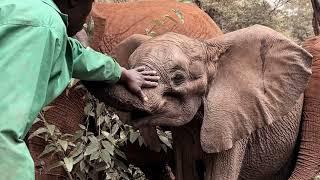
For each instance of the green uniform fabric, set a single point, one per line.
(37, 61)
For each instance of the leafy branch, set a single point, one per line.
(89, 152)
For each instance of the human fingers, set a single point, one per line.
(140, 68)
(149, 84)
(149, 73)
(151, 78)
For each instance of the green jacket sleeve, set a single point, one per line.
(91, 65)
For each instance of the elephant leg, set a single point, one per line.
(185, 161)
(187, 151)
(226, 165)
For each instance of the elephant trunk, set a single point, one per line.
(115, 95)
(308, 161)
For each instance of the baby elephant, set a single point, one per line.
(234, 103)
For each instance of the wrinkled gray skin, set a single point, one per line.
(233, 102)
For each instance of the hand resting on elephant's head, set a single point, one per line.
(245, 80)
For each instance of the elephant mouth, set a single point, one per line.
(138, 114)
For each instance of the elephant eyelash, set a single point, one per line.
(195, 76)
(177, 68)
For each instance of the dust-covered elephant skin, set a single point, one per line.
(116, 21)
(112, 24)
(234, 102)
(308, 162)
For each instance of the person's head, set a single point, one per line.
(77, 11)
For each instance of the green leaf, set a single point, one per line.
(73, 82)
(68, 163)
(114, 129)
(93, 147)
(82, 165)
(37, 132)
(141, 141)
(186, 1)
(169, 135)
(84, 138)
(316, 177)
(91, 113)
(100, 137)
(107, 119)
(66, 135)
(115, 117)
(47, 108)
(63, 144)
(46, 137)
(78, 159)
(90, 133)
(76, 151)
(158, 22)
(147, 31)
(124, 175)
(100, 120)
(165, 140)
(170, 18)
(105, 156)
(36, 120)
(103, 167)
(55, 165)
(49, 148)
(107, 135)
(120, 153)
(51, 128)
(134, 136)
(164, 147)
(82, 127)
(71, 144)
(87, 109)
(108, 176)
(152, 34)
(80, 86)
(94, 156)
(120, 164)
(100, 108)
(123, 135)
(179, 14)
(93, 139)
(108, 146)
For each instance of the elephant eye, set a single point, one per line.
(178, 78)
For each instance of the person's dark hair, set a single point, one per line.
(77, 11)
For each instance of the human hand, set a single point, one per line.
(138, 78)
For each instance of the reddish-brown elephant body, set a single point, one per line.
(115, 22)
(112, 24)
(308, 161)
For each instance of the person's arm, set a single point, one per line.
(91, 65)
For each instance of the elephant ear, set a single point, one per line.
(259, 79)
(126, 47)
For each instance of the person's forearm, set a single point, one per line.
(91, 65)
(124, 75)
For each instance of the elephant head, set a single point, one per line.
(240, 81)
